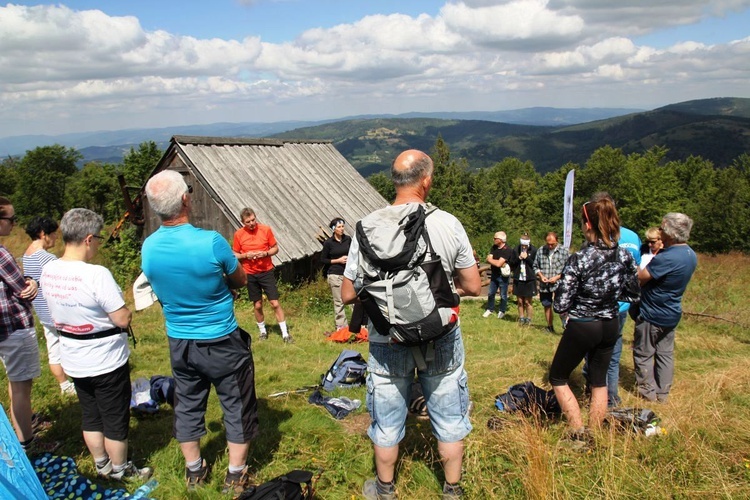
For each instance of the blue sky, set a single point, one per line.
(85, 65)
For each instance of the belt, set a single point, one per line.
(91, 336)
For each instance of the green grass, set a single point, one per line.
(704, 453)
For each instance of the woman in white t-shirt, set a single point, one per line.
(651, 247)
(90, 315)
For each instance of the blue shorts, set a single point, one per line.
(546, 298)
(444, 385)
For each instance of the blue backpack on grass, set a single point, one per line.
(348, 370)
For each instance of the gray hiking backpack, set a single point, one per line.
(401, 281)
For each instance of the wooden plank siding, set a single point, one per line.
(296, 187)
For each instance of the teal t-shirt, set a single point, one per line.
(186, 266)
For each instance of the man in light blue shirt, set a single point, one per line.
(191, 271)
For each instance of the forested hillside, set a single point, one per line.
(715, 129)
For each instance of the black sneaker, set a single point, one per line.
(550, 329)
(196, 478)
(237, 482)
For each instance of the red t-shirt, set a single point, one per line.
(259, 240)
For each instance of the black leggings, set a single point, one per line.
(596, 338)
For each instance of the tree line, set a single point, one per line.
(510, 195)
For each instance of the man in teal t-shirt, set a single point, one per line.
(191, 271)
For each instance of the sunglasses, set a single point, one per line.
(586, 215)
(12, 219)
(100, 238)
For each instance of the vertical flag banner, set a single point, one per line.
(568, 210)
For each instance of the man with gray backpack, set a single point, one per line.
(408, 264)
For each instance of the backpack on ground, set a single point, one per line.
(294, 485)
(348, 370)
(401, 281)
(528, 398)
(632, 419)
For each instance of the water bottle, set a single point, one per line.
(144, 491)
(654, 430)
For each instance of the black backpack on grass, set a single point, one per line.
(294, 485)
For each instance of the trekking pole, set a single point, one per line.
(301, 390)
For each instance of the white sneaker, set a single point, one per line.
(500, 315)
(486, 313)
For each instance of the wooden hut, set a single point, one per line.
(296, 187)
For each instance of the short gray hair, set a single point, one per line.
(78, 223)
(416, 171)
(677, 226)
(164, 191)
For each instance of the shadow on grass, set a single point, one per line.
(264, 447)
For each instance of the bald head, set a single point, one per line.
(410, 168)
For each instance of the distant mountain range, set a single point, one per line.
(717, 129)
(108, 145)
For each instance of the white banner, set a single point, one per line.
(568, 210)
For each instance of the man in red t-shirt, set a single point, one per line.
(254, 244)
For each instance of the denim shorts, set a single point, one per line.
(444, 385)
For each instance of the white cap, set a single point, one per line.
(500, 235)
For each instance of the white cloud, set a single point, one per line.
(473, 54)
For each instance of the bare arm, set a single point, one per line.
(237, 279)
(348, 295)
(467, 280)
(121, 317)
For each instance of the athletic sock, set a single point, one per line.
(284, 331)
(119, 468)
(385, 488)
(27, 443)
(194, 466)
(262, 327)
(234, 469)
(101, 461)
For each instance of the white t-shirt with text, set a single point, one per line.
(80, 296)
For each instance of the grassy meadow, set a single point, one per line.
(704, 454)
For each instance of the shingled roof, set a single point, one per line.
(294, 186)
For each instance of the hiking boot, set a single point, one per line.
(500, 315)
(370, 491)
(452, 492)
(263, 336)
(236, 482)
(288, 339)
(487, 313)
(197, 478)
(129, 472)
(581, 440)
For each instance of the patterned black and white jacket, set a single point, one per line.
(594, 279)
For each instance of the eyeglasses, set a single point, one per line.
(652, 242)
(12, 219)
(100, 238)
(190, 189)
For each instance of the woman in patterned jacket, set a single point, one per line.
(593, 280)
